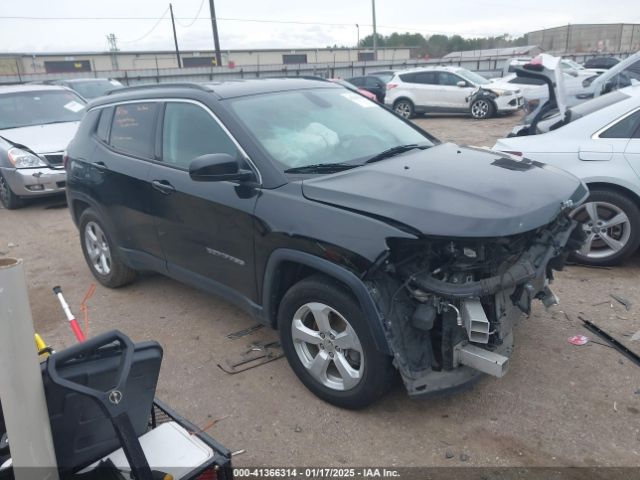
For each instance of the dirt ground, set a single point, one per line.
(559, 404)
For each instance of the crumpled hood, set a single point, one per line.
(50, 138)
(452, 191)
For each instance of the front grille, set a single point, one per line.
(54, 159)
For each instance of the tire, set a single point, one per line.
(9, 200)
(611, 221)
(404, 108)
(101, 253)
(352, 373)
(482, 108)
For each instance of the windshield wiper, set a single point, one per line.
(393, 151)
(321, 168)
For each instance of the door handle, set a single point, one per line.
(163, 187)
(100, 166)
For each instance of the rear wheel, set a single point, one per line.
(404, 108)
(101, 252)
(482, 108)
(9, 200)
(611, 222)
(329, 344)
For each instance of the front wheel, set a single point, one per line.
(329, 345)
(481, 109)
(9, 200)
(611, 222)
(101, 252)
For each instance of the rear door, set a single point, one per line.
(375, 86)
(205, 228)
(426, 89)
(118, 177)
(454, 96)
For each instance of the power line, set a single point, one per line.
(194, 18)
(150, 31)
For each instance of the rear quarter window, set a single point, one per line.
(132, 129)
(625, 128)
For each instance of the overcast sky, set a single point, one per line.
(320, 23)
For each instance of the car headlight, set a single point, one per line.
(23, 159)
(501, 93)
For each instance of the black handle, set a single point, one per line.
(100, 166)
(163, 186)
(112, 402)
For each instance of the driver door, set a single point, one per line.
(454, 96)
(205, 228)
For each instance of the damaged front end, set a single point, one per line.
(450, 304)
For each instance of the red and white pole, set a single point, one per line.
(73, 323)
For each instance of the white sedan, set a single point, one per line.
(599, 142)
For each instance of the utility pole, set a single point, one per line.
(113, 49)
(214, 27)
(175, 37)
(358, 42)
(375, 33)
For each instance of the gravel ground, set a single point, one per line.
(558, 405)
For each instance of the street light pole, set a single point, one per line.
(375, 34)
(358, 42)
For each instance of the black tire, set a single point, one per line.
(632, 232)
(404, 107)
(482, 108)
(377, 371)
(118, 274)
(9, 200)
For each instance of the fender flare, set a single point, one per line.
(357, 286)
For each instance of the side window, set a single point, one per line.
(102, 130)
(357, 81)
(625, 128)
(189, 131)
(408, 77)
(448, 79)
(133, 127)
(425, 78)
(372, 82)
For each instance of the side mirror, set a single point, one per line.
(462, 84)
(217, 167)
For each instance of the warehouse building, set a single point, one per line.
(588, 38)
(64, 63)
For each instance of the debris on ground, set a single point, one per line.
(615, 406)
(630, 354)
(11, 245)
(244, 332)
(464, 457)
(578, 340)
(449, 454)
(622, 301)
(298, 429)
(635, 336)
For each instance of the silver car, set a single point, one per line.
(36, 124)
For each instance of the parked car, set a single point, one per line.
(450, 89)
(538, 102)
(354, 88)
(349, 229)
(36, 124)
(90, 88)
(602, 62)
(599, 142)
(384, 75)
(370, 83)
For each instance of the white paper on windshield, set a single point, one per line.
(360, 100)
(74, 106)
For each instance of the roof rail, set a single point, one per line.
(145, 86)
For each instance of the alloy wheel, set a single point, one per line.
(607, 227)
(403, 109)
(327, 346)
(97, 248)
(4, 191)
(480, 109)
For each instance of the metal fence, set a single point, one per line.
(489, 67)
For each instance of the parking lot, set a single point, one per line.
(558, 405)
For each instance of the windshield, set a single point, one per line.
(93, 88)
(23, 109)
(472, 76)
(322, 126)
(566, 63)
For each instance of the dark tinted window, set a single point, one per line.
(425, 78)
(448, 79)
(625, 128)
(189, 131)
(132, 128)
(357, 81)
(102, 131)
(527, 81)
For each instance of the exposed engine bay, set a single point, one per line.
(450, 304)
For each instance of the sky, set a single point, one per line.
(82, 25)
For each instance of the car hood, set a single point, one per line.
(50, 138)
(454, 191)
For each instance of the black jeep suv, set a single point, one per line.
(370, 245)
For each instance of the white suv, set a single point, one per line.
(450, 89)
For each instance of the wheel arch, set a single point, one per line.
(633, 196)
(286, 267)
